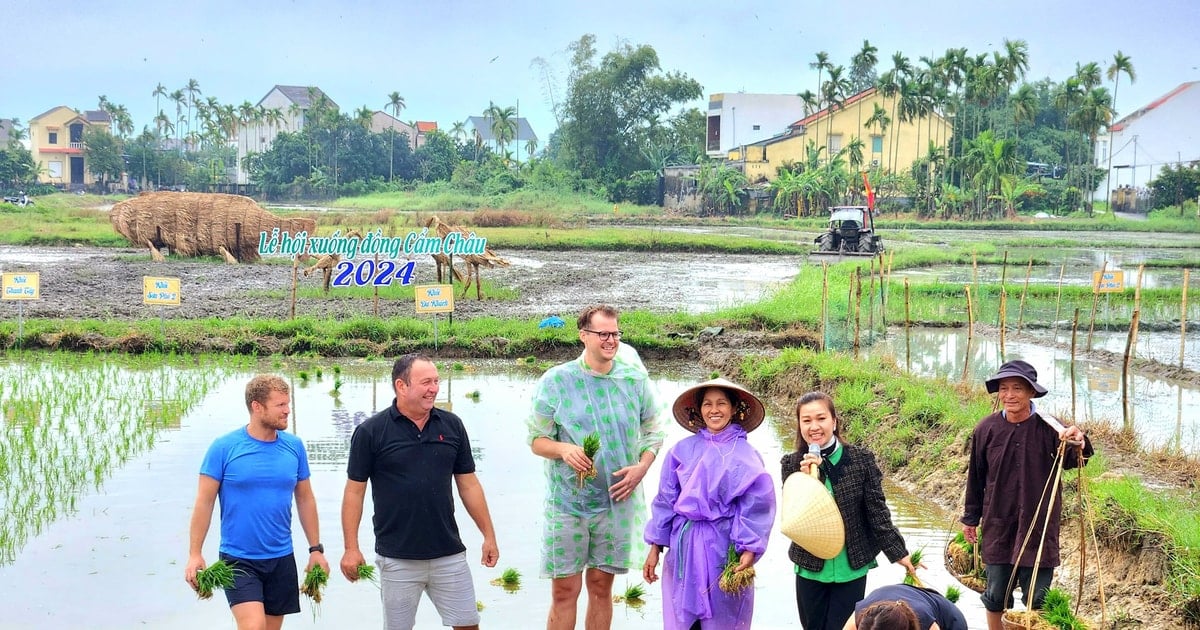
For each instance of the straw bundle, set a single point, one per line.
(810, 517)
(199, 224)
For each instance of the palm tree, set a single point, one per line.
(504, 124)
(854, 153)
(396, 102)
(819, 65)
(531, 147)
(179, 99)
(363, 116)
(458, 131)
(1024, 106)
(878, 118)
(193, 90)
(1012, 189)
(985, 161)
(122, 120)
(1095, 111)
(158, 92)
(1121, 63)
(834, 92)
(862, 69)
(811, 102)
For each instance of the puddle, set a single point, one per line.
(129, 534)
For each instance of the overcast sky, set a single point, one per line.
(449, 58)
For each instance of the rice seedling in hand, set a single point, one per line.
(510, 579)
(367, 572)
(218, 575)
(591, 446)
(953, 593)
(910, 578)
(733, 581)
(634, 595)
(314, 581)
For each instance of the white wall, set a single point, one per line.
(1167, 134)
(741, 113)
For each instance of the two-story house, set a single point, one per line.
(1160, 133)
(737, 118)
(292, 102)
(56, 144)
(831, 129)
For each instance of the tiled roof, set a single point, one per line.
(50, 111)
(824, 112)
(97, 116)
(426, 126)
(299, 94)
(1183, 87)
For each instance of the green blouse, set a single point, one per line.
(837, 570)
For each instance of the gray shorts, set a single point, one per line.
(573, 543)
(447, 581)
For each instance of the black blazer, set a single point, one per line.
(865, 514)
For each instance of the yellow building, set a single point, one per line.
(893, 150)
(56, 143)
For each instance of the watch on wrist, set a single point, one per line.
(317, 547)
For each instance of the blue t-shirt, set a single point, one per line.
(258, 480)
(929, 605)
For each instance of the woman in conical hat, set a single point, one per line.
(826, 590)
(714, 493)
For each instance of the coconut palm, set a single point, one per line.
(363, 116)
(1121, 63)
(396, 102)
(504, 124)
(531, 147)
(458, 131)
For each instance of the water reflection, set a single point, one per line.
(1157, 404)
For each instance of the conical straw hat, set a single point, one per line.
(810, 517)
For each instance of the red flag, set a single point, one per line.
(870, 193)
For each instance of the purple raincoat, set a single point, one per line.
(714, 491)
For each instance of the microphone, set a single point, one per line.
(814, 449)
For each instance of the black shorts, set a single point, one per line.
(274, 582)
(998, 597)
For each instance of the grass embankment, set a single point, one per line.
(918, 428)
(61, 219)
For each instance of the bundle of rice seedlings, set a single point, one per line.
(367, 572)
(953, 593)
(915, 557)
(314, 581)
(218, 575)
(734, 582)
(510, 579)
(635, 595)
(591, 446)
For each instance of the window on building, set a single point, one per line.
(757, 127)
(835, 143)
(53, 139)
(876, 144)
(54, 169)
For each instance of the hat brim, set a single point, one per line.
(993, 383)
(755, 411)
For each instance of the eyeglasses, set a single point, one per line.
(604, 335)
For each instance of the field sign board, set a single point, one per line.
(160, 291)
(434, 298)
(20, 286)
(1108, 282)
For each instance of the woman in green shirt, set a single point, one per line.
(826, 590)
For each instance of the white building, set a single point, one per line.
(1167, 131)
(736, 119)
(292, 102)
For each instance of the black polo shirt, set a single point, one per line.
(411, 473)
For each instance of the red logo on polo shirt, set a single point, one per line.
(440, 438)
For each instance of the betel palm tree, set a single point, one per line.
(819, 65)
(878, 118)
(1024, 104)
(985, 161)
(1095, 111)
(159, 91)
(531, 147)
(179, 99)
(834, 92)
(363, 116)
(1121, 63)
(863, 65)
(396, 102)
(193, 90)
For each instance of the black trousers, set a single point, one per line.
(825, 606)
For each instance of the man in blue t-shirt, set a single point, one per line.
(255, 471)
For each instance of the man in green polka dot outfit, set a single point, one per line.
(593, 525)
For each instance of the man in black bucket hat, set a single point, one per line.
(1013, 454)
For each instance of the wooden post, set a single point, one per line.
(1125, 410)
(824, 305)
(975, 273)
(871, 301)
(1137, 302)
(1058, 301)
(295, 267)
(908, 341)
(1024, 290)
(376, 298)
(1095, 300)
(857, 310)
(970, 335)
(883, 295)
(1183, 317)
(1003, 315)
(1074, 331)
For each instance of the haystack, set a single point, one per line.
(199, 224)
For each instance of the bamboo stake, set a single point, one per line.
(824, 305)
(1137, 302)
(970, 335)
(1058, 301)
(295, 267)
(1024, 290)
(857, 311)
(883, 294)
(1003, 315)
(871, 300)
(1095, 300)
(376, 298)
(1074, 335)
(1183, 317)
(907, 339)
(1125, 410)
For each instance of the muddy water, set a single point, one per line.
(129, 536)
(1157, 410)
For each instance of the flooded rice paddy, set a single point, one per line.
(118, 542)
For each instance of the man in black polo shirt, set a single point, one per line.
(410, 452)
